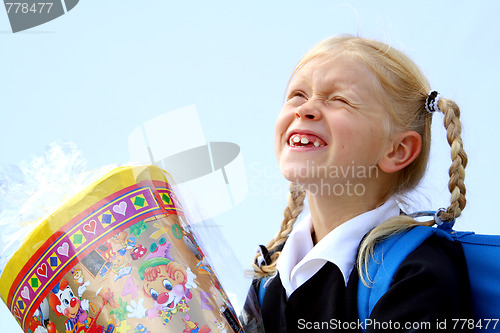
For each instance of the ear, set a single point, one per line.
(179, 276)
(401, 151)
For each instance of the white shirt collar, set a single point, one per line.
(300, 259)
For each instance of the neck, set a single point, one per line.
(330, 211)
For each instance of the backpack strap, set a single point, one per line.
(263, 288)
(387, 257)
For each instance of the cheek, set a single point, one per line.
(66, 312)
(282, 124)
(359, 143)
(343, 134)
(178, 290)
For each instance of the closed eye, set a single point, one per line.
(344, 101)
(341, 99)
(296, 94)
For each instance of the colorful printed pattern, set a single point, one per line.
(169, 199)
(112, 214)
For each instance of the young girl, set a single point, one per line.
(353, 138)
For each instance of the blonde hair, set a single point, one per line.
(405, 90)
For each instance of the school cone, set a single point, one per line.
(117, 257)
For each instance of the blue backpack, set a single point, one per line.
(482, 254)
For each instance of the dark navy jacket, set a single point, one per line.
(430, 293)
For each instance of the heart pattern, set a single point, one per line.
(17, 313)
(42, 270)
(25, 293)
(63, 249)
(90, 227)
(120, 208)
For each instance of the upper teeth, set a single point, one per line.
(296, 138)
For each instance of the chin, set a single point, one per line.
(300, 172)
(294, 174)
(295, 177)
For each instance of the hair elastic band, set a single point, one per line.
(263, 257)
(437, 219)
(431, 103)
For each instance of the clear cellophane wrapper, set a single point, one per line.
(119, 256)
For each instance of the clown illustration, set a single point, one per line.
(63, 302)
(168, 284)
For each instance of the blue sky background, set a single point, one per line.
(97, 72)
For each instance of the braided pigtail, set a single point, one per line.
(456, 184)
(292, 211)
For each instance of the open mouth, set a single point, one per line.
(305, 140)
(171, 305)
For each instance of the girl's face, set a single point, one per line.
(333, 124)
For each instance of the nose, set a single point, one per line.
(162, 298)
(72, 302)
(308, 111)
